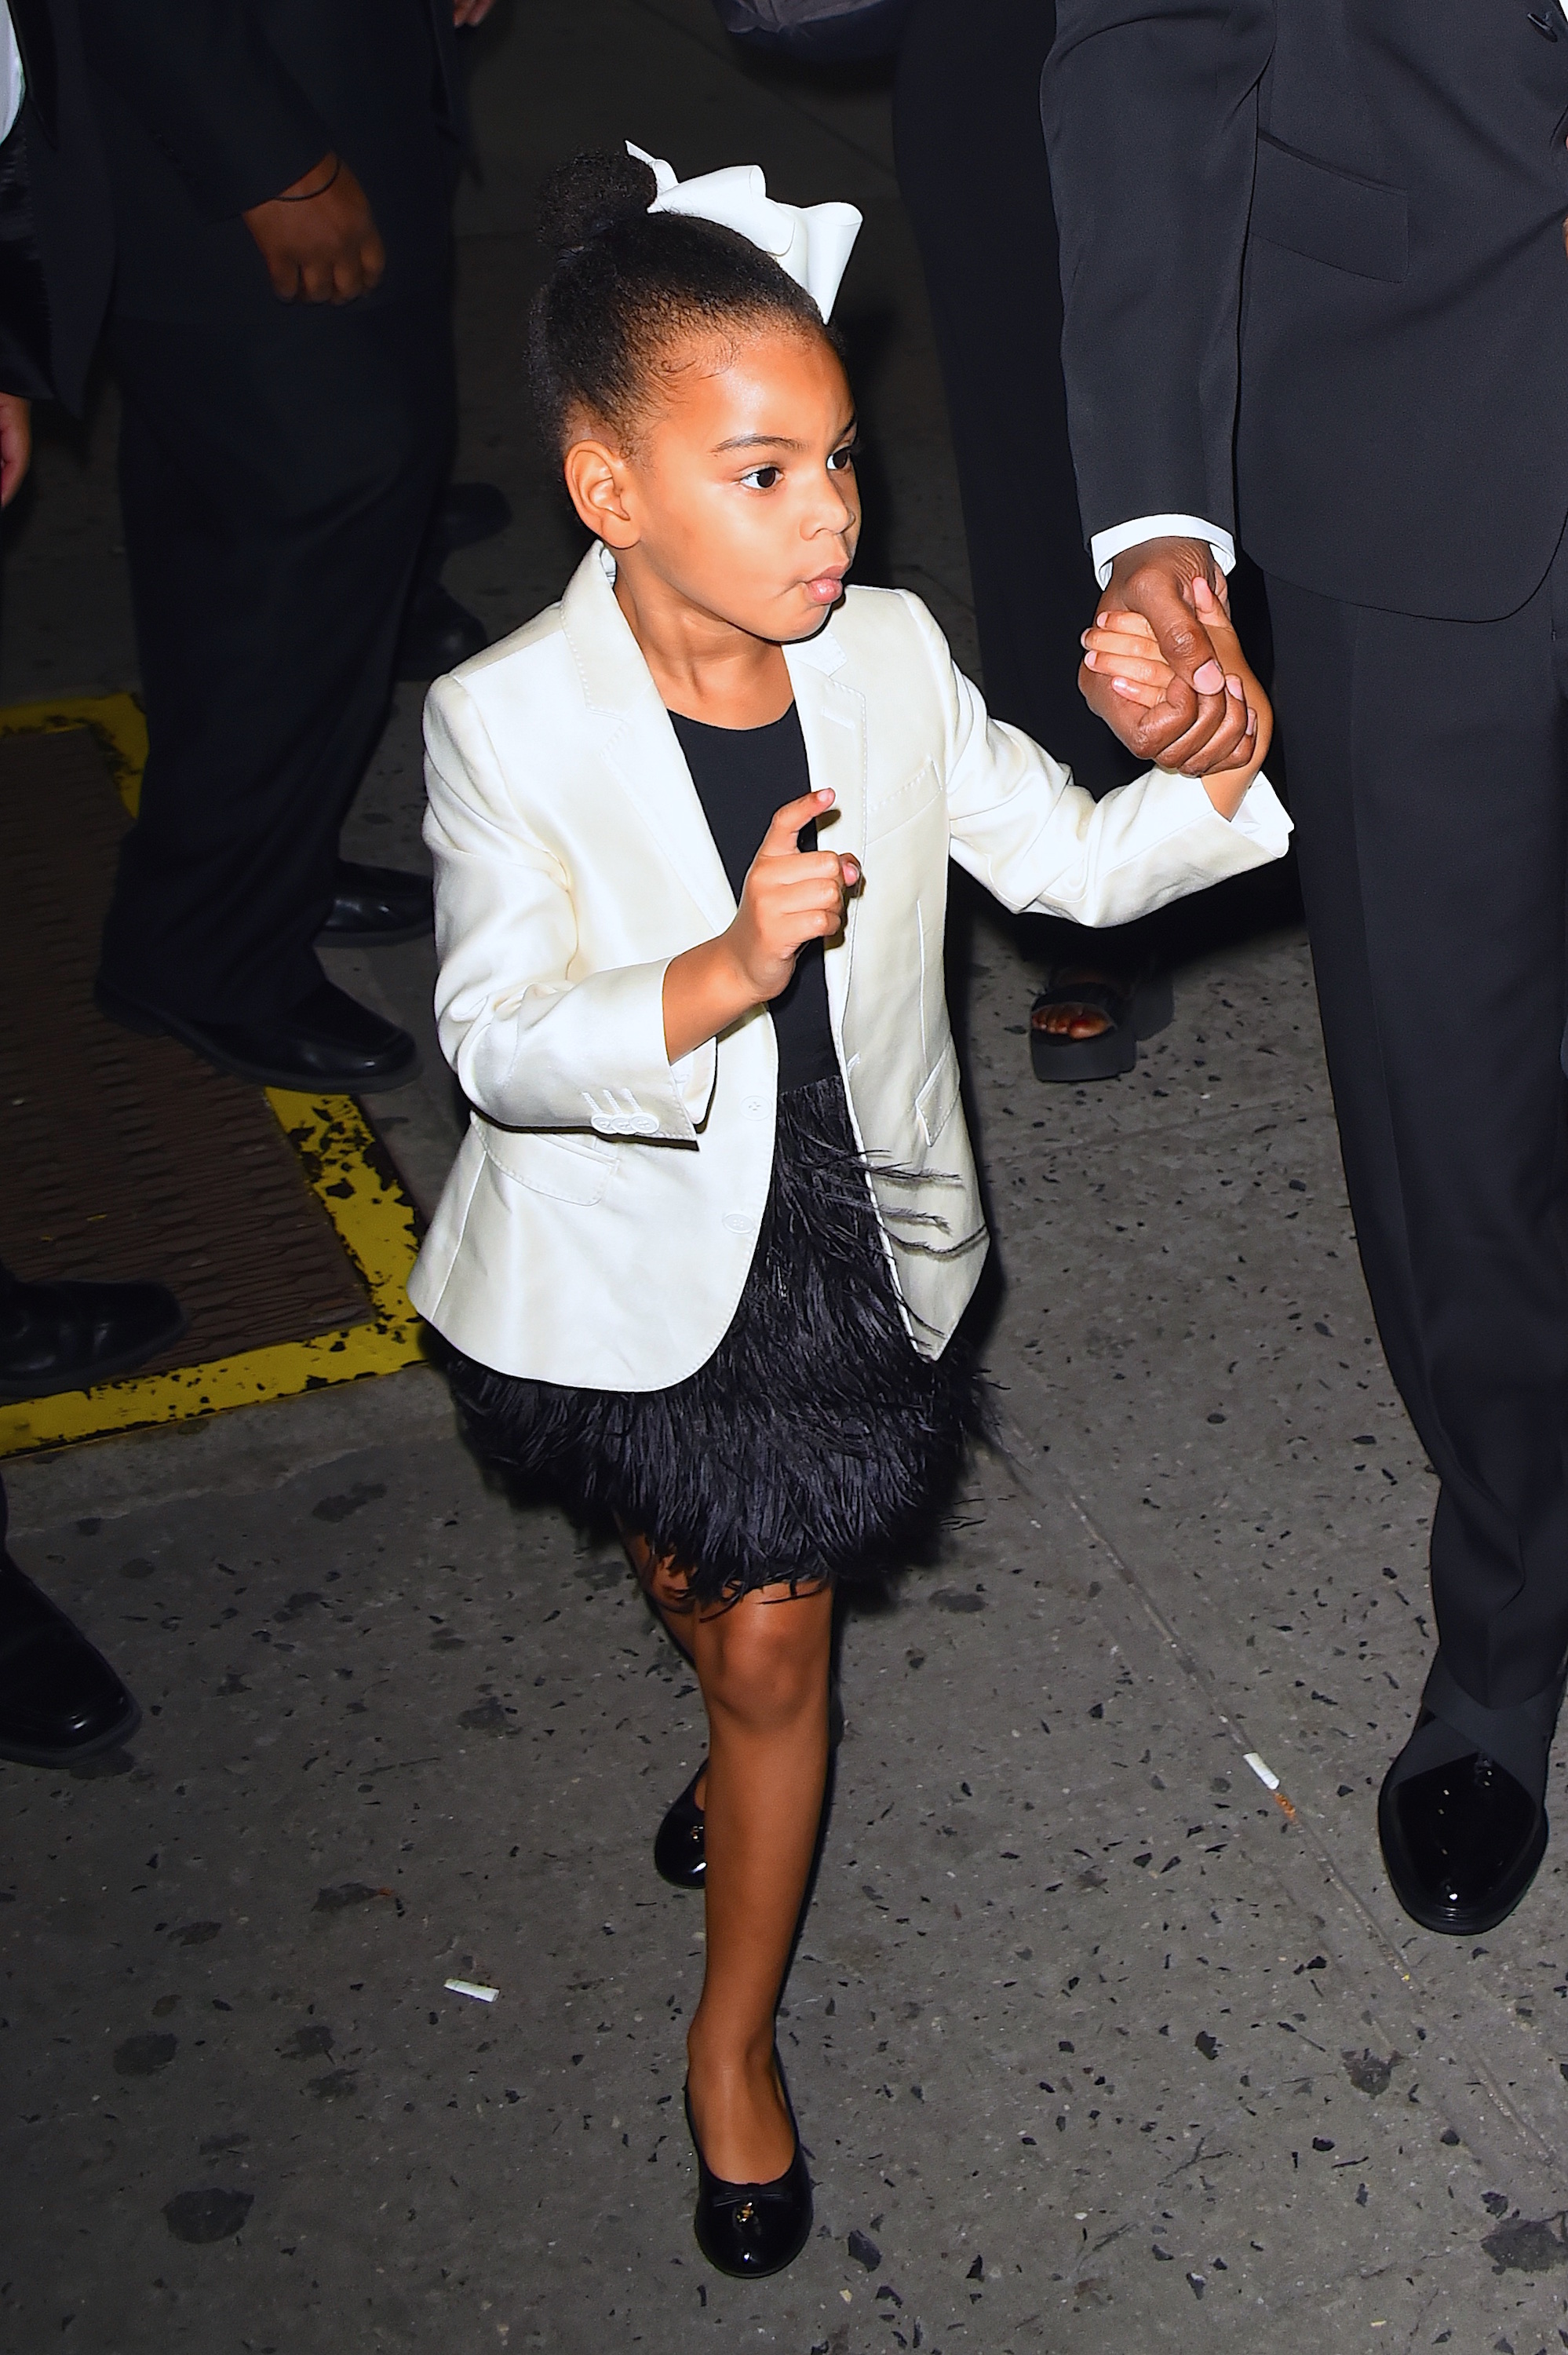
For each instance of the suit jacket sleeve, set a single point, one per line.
(1038, 842)
(533, 1048)
(212, 91)
(1150, 116)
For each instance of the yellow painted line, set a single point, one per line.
(117, 720)
(344, 1164)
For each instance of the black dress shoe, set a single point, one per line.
(468, 512)
(438, 634)
(374, 906)
(680, 1849)
(750, 2230)
(60, 1701)
(329, 1042)
(1463, 1829)
(679, 1853)
(67, 1335)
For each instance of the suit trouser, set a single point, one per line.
(1429, 784)
(972, 171)
(277, 477)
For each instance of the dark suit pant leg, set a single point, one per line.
(1428, 765)
(973, 174)
(277, 478)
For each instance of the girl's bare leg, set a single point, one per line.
(762, 1663)
(666, 1587)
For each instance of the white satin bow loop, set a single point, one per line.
(812, 243)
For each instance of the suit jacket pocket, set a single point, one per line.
(934, 1104)
(1330, 216)
(570, 1165)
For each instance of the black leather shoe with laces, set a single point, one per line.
(750, 2230)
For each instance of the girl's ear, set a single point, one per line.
(595, 479)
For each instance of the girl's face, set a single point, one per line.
(739, 495)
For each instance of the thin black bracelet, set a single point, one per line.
(306, 195)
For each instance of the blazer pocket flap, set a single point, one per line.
(570, 1165)
(934, 1104)
(1359, 226)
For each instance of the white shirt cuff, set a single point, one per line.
(1108, 545)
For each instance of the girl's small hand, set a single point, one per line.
(791, 896)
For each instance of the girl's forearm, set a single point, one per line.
(705, 991)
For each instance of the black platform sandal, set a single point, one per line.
(680, 1856)
(1133, 1012)
(750, 2230)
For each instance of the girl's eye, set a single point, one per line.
(762, 478)
(843, 461)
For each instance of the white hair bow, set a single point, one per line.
(812, 244)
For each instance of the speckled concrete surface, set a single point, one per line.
(1096, 2043)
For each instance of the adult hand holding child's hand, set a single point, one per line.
(790, 896)
(1124, 656)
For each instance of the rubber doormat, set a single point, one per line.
(277, 1219)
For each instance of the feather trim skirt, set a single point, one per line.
(815, 1445)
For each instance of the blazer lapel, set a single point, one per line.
(638, 743)
(832, 721)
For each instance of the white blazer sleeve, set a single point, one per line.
(532, 1047)
(1036, 840)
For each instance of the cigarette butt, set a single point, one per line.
(467, 1987)
(1286, 1809)
(1264, 1773)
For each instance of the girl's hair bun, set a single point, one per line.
(583, 199)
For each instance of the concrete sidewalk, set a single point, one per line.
(1098, 2043)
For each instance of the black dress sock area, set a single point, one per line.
(1519, 1738)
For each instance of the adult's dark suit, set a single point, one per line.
(1315, 281)
(279, 460)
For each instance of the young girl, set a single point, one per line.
(703, 1250)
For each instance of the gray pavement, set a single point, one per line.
(1096, 2042)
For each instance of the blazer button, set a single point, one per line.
(739, 1224)
(755, 1107)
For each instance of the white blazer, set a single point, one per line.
(600, 1219)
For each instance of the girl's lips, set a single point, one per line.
(826, 588)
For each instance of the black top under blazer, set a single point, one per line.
(1356, 207)
(207, 107)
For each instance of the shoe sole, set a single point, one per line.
(22, 1754)
(18, 1394)
(146, 1025)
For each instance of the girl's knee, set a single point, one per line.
(766, 1663)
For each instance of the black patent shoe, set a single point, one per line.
(67, 1335)
(1462, 1839)
(329, 1042)
(750, 2230)
(375, 905)
(680, 1856)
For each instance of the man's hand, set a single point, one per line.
(16, 444)
(1197, 725)
(470, 12)
(319, 238)
(790, 896)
